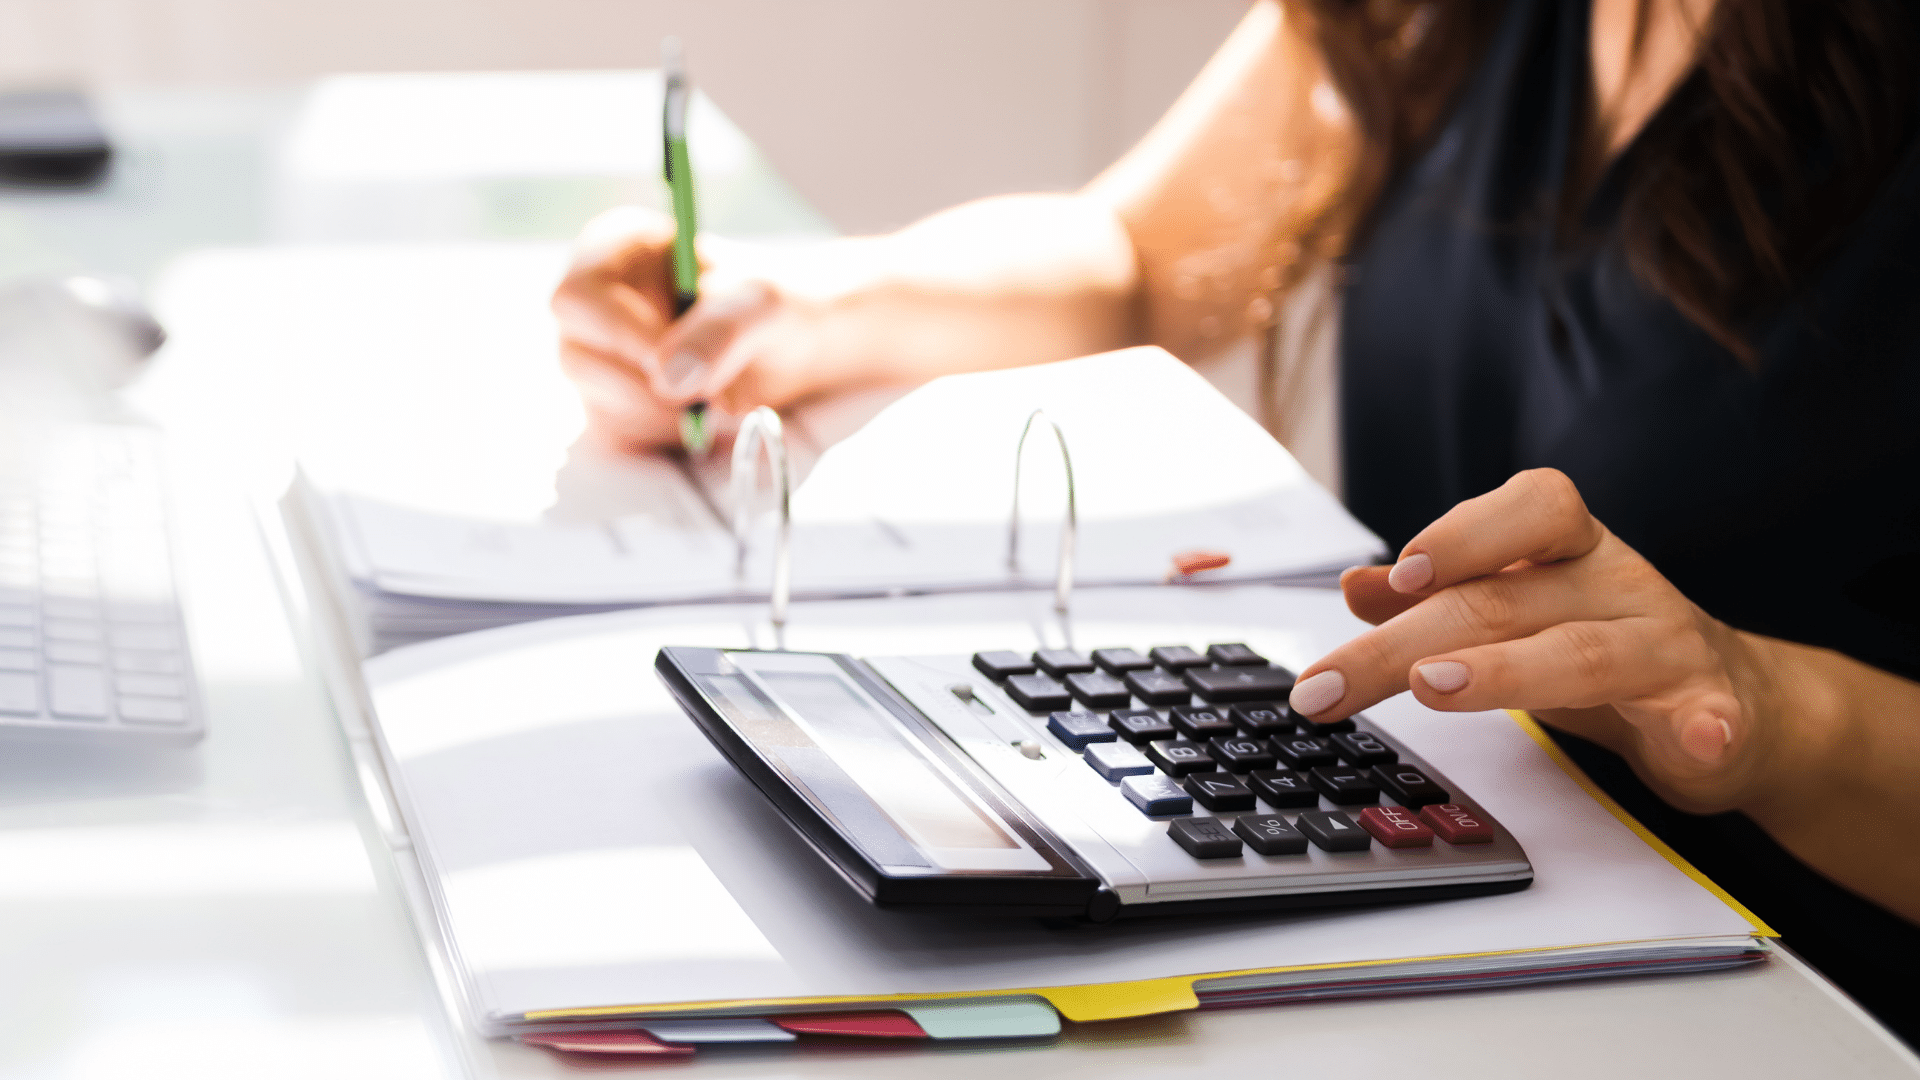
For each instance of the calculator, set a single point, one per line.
(1092, 786)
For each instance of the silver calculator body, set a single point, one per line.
(931, 785)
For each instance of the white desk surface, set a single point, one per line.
(225, 911)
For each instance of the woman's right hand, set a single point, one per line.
(747, 342)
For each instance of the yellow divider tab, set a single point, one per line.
(1113, 1001)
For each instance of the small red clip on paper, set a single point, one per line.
(1188, 563)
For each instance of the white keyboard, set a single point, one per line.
(91, 643)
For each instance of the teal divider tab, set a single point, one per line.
(716, 1031)
(1001, 1018)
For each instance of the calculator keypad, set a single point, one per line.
(1238, 750)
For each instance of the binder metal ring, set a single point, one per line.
(1063, 574)
(762, 428)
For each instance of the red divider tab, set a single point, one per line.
(605, 1042)
(1456, 824)
(1395, 826)
(871, 1025)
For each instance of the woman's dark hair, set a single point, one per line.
(1756, 170)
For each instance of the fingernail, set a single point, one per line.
(1707, 738)
(1318, 694)
(1411, 574)
(1445, 676)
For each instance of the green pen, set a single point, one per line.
(694, 434)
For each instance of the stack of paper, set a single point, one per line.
(919, 500)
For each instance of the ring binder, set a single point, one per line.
(762, 428)
(1063, 575)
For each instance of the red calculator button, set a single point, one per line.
(1395, 826)
(1456, 824)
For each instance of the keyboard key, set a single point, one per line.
(1332, 830)
(1001, 663)
(1408, 786)
(1176, 657)
(16, 615)
(1200, 723)
(1283, 789)
(1304, 751)
(1343, 785)
(144, 638)
(1260, 718)
(1233, 654)
(78, 693)
(56, 608)
(1271, 835)
(1076, 729)
(27, 639)
(1098, 690)
(139, 710)
(153, 663)
(74, 630)
(75, 652)
(1158, 688)
(1178, 757)
(1456, 824)
(1155, 795)
(1362, 748)
(1240, 683)
(1117, 760)
(1241, 755)
(1061, 663)
(166, 686)
(1204, 838)
(1038, 693)
(1140, 726)
(1118, 662)
(19, 660)
(19, 694)
(1218, 791)
(1395, 827)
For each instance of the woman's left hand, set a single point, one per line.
(1520, 599)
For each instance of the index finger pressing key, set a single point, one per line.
(1536, 515)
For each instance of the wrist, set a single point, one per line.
(1803, 726)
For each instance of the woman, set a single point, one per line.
(1630, 369)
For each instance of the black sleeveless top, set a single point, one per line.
(1785, 501)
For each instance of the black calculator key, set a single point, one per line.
(1283, 789)
(1344, 785)
(1271, 835)
(1178, 757)
(1098, 690)
(1321, 730)
(1077, 729)
(1140, 726)
(1239, 754)
(1038, 693)
(1240, 683)
(1261, 718)
(1303, 751)
(1118, 662)
(1158, 688)
(1218, 791)
(1233, 653)
(1061, 663)
(1204, 838)
(1408, 786)
(1154, 795)
(1176, 657)
(1001, 663)
(1200, 722)
(1333, 830)
(1362, 748)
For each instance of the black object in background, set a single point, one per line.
(51, 138)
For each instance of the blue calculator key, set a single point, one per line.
(1117, 760)
(1261, 718)
(1200, 721)
(1233, 654)
(1000, 663)
(1038, 693)
(1178, 757)
(1176, 657)
(1140, 726)
(1218, 791)
(1158, 688)
(1155, 795)
(1118, 662)
(1077, 729)
(1061, 663)
(1362, 748)
(1098, 690)
(1304, 751)
(1333, 830)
